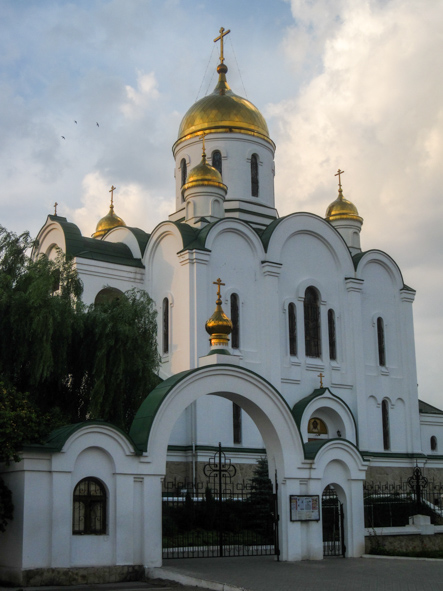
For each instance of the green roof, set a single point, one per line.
(57, 438)
(97, 250)
(143, 420)
(426, 408)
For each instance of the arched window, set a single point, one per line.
(217, 160)
(165, 331)
(235, 319)
(89, 508)
(385, 422)
(433, 443)
(332, 335)
(184, 172)
(107, 295)
(254, 175)
(236, 422)
(381, 342)
(292, 325)
(312, 323)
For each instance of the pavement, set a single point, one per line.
(264, 573)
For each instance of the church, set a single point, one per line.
(278, 336)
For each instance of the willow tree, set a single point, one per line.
(76, 362)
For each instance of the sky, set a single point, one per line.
(350, 84)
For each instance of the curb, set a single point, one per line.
(172, 575)
(383, 557)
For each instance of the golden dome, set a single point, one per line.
(222, 111)
(219, 326)
(341, 208)
(108, 222)
(204, 174)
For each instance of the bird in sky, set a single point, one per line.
(98, 125)
(75, 121)
(63, 137)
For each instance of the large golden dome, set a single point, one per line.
(222, 111)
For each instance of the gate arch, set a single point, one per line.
(153, 423)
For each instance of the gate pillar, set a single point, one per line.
(299, 540)
(152, 524)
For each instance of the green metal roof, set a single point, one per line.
(299, 407)
(424, 407)
(57, 438)
(358, 257)
(313, 447)
(97, 250)
(143, 420)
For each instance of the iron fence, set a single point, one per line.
(390, 504)
(200, 521)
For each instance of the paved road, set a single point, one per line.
(265, 574)
(330, 574)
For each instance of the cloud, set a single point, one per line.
(137, 206)
(138, 99)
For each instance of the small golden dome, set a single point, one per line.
(341, 208)
(222, 111)
(219, 326)
(204, 174)
(108, 222)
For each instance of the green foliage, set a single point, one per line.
(87, 362)
(122, 354)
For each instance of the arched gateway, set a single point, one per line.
(301, 468)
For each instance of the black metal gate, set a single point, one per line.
(217, 517)
(332, 521)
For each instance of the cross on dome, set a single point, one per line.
(218, 283)
(220, 38)
(338, 173)
(111, 190)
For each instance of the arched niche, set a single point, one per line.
(108, 294)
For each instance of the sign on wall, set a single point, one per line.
(304, 508)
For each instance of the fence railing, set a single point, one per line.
(391, 504)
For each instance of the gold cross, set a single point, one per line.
(111, 190)
(220, 38)
(321, 376)
(55, 208)
(339, 172)
(218, 283)
(204, 150)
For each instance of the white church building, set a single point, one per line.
(310, 359)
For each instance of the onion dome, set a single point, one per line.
(219, 326)
(341, 208)
(204, 174)
(223, 111)
(108, 222)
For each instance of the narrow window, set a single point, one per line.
(254, 175)
(236, 422)
(235, 319)
(433, 443)
(165, 339)
(385, 420)
(183, 170)
(292, 325)
(332, 335)
(312, 323)
(217, 160)
(381, 342)
(89, 509)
